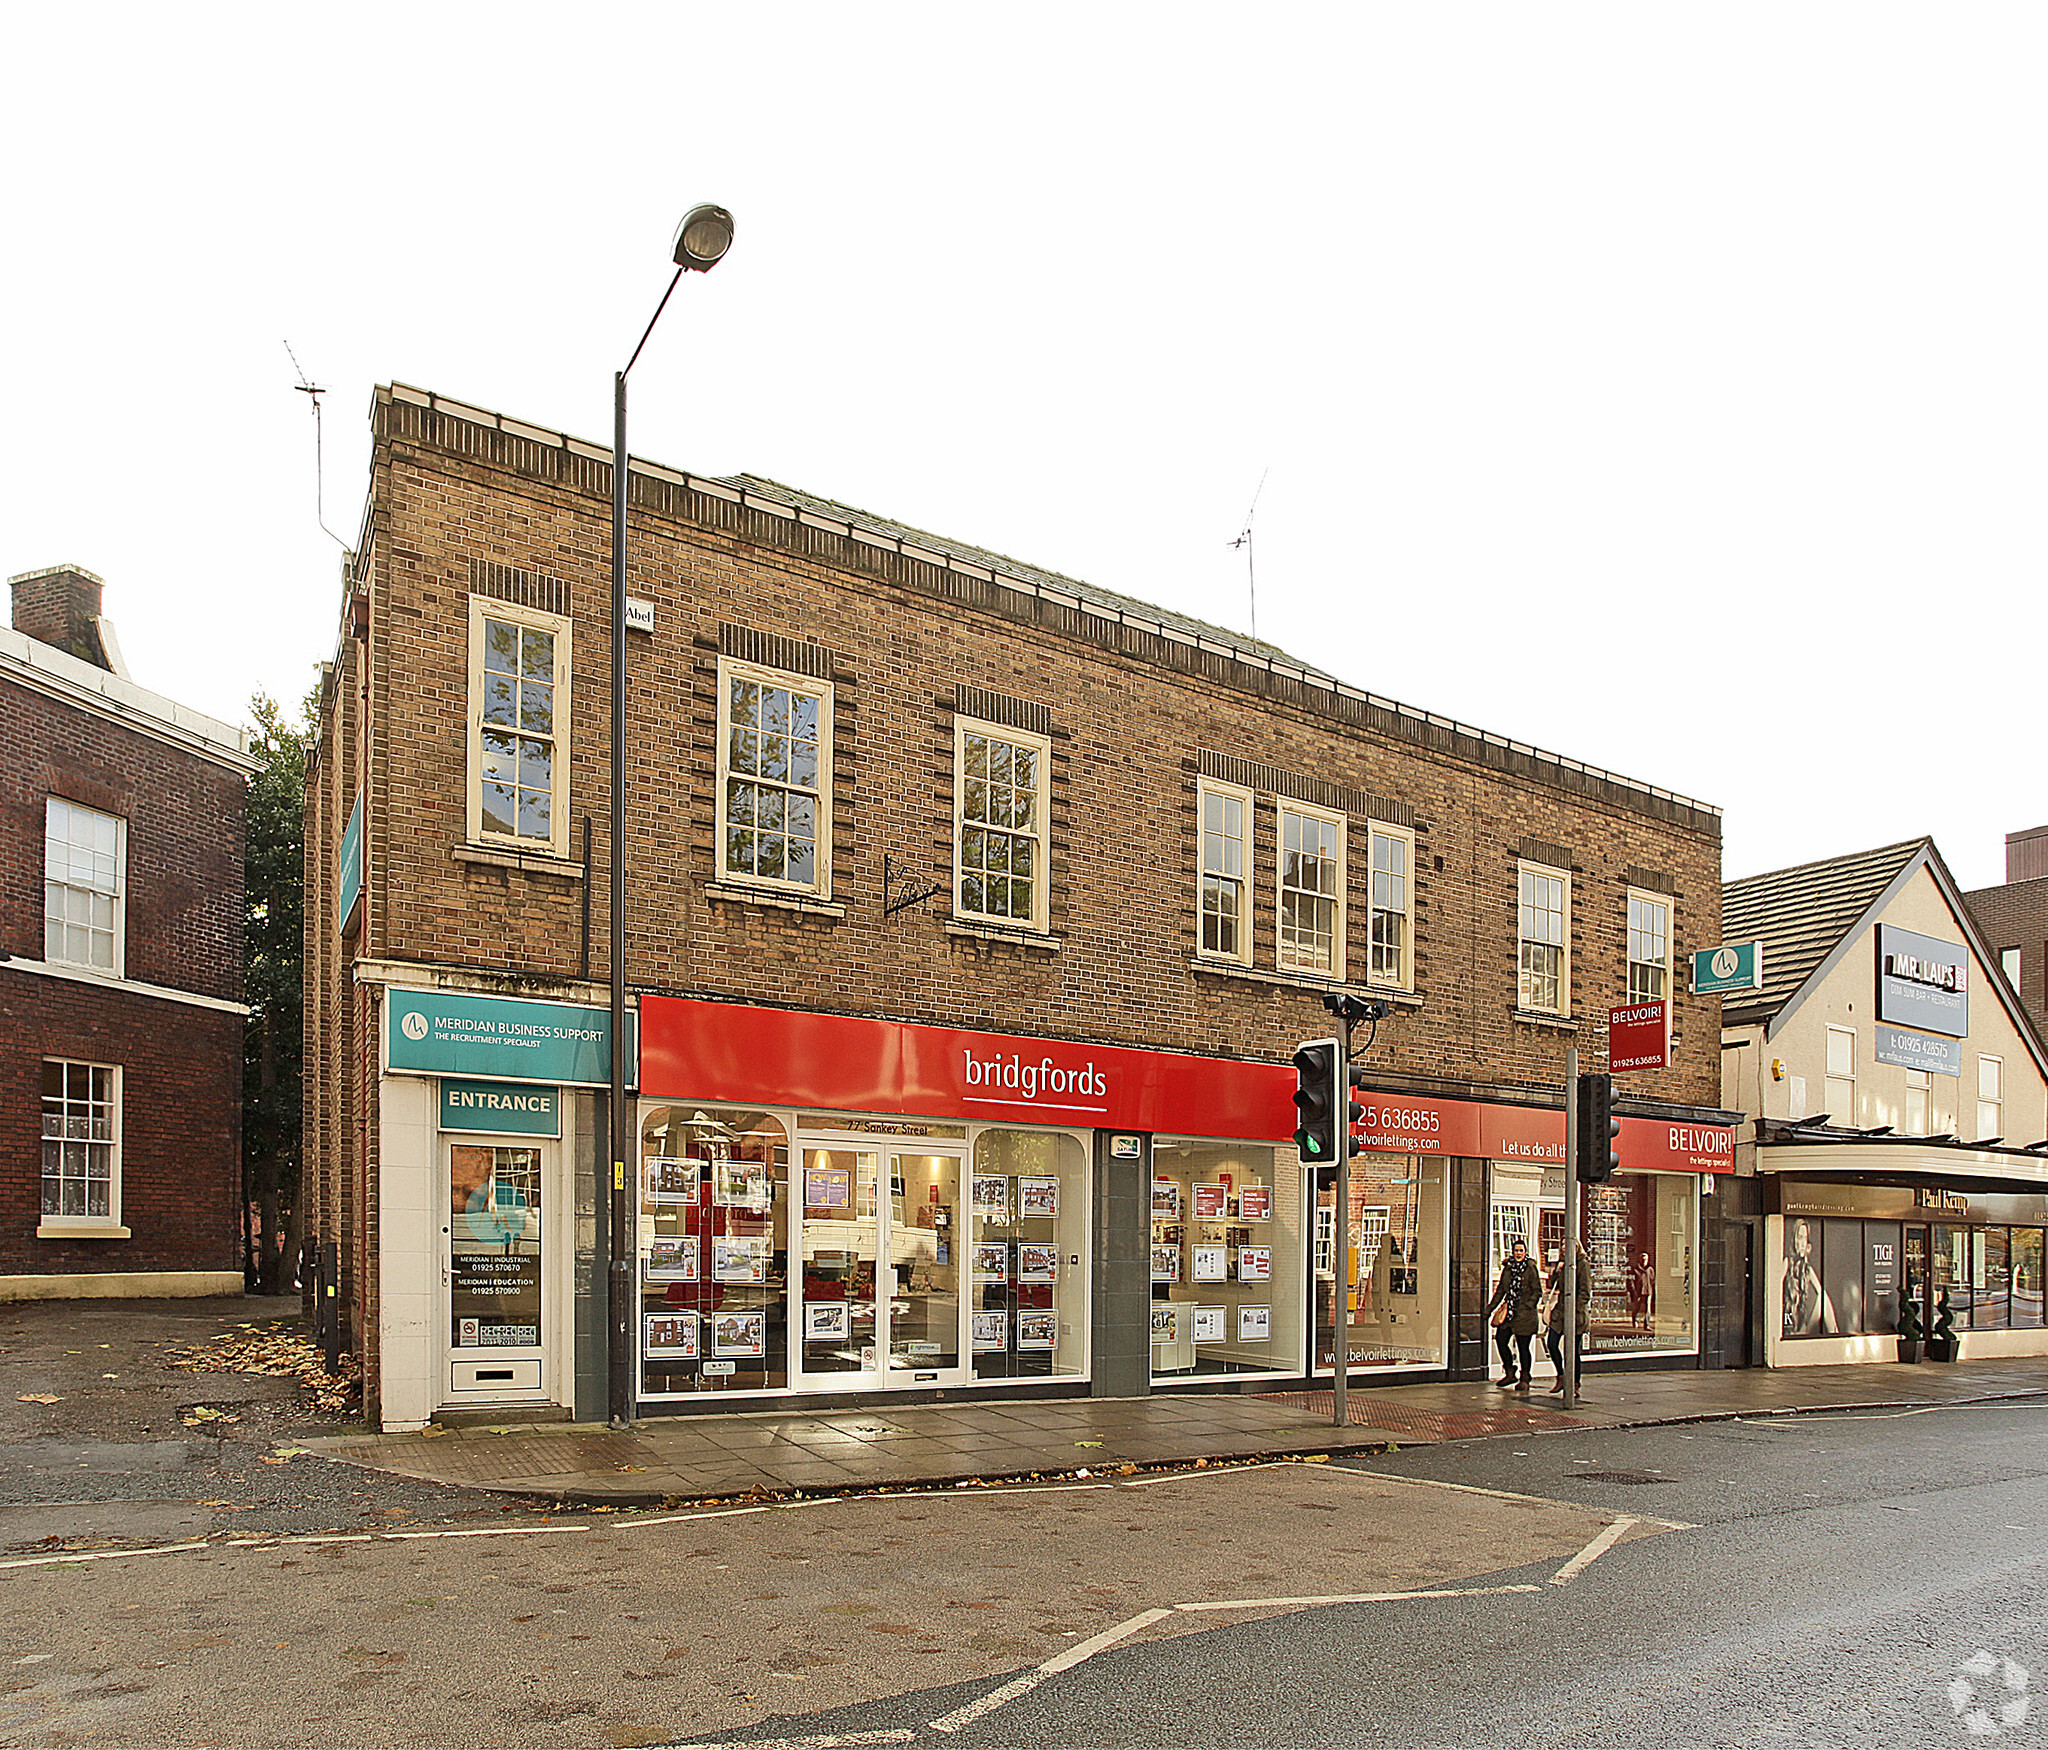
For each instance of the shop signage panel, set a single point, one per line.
(432, 1032)
(1730, 967)
(500, 1108)
(1637, 1037)
(1923, 982)
(780, 1057)
(1944, 1057)
(351, 860)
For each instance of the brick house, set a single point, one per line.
(2014, 919)
(973, 915)
(120, 967)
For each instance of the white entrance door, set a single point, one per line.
(877, 1297)
(492, 1270)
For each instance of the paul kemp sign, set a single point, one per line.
(780, 1057)
(502, 1038)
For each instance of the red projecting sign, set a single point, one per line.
(1638, 1037)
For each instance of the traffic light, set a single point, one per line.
(1316, 1091)
(1598, 1128)
(1353, 1111)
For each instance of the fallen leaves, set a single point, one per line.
(37, 1397)
(278, 1349)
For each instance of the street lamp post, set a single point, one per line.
(700, 244)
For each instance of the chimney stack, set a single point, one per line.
(60, 606)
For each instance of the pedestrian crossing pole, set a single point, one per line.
(1568, 1282)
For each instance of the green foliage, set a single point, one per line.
(274, 867)
(1910, 1329)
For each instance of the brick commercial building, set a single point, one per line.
(2014, 920)
(120, 967)
(972, 916)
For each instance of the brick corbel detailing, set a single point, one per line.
(1000, 708)
(768, 650)
(1546, 851)
(1651, 880)
(508, 583)
(1317, 792)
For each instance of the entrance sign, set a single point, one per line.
(436, 1032)
(1732, 966)
(1638, 1037)
(500, 1108)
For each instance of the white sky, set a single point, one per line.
(1659, 385)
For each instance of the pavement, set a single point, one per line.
(778, 1452)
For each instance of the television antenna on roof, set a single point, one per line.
(1244, 540)
(312, 391)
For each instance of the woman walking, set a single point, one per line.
(1554, 1338)
(1513, 1307)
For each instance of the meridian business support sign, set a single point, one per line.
(436, 1032)
(1923, 982)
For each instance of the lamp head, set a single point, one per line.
(702, 239)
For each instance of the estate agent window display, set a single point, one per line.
(1227, 1256)
(1640, 1242)
(1395, 1274)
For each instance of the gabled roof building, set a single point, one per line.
(1899, 1106)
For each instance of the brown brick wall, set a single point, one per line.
(1127, 726)
(2016, 916)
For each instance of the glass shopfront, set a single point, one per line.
(1640, 1234)
(891, 1253)
(1847, 1277)
(1227, 1258)
(1393, 1270)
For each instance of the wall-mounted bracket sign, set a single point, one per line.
(351, 876)
(900, 891)
(438, 1033)
(1732, 966)
(1638, 1037)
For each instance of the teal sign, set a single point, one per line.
(501, 1108)
(351, 866)
(1732, 966)
(443, 1033)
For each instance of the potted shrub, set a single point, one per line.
(1910, 1328)
(1941, 1341)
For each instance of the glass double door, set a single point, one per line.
(879, 1239)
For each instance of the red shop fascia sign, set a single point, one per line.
(749, 1055)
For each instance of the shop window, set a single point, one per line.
(1640, 1231)
(1225, 923)
(1991, 1303)
(1649, 948)
(714, 1250)
(1990, 1098)
(1311, 891)
(2026, 1277)
(1393, 857)
(1918, 1086)
(519, 721)
(1028, 1302)
(84, 883)
(1510, 1223)
(1838, 1096)
(1000, 805)
(1543, 918)
(81, 1143)
(2009, 964)
(1227, 1258)
(1392, 1275)
(1844, 1277)
(774, 778)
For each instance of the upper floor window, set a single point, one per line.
(1000, 790)
(1649, 948)
(1393, 858)
(1226, 816)
(774, 777)
(2009, 964)
(1990, 1098)
(83, 886)
(1917, 1089)
(519, 720)
(1311, 937)
(81, 1141)
(1543, 909)
(1839, 1098)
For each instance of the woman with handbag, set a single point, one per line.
(1513, 1310)
(1554, 1340)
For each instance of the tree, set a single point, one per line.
(274, 900)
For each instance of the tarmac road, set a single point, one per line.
(1838, 1572)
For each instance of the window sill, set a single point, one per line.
(526, 862)
(822, 908)
(59, 1229)
(1551, 1023)
(1236, 969)
(979, 932)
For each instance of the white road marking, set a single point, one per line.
(962, 1717)
(1226, 1470)
(102, 1555)
(1591, 1553)
(1498, 1495)
(1355, 1598)
(828, 1741)
(1096, 1643)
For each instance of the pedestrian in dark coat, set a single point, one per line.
(1554, 1341)
(1516, 1299)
